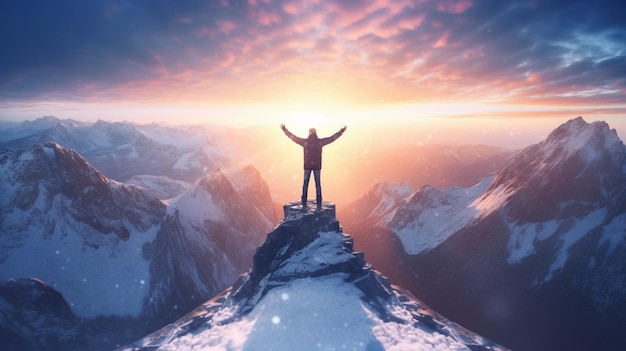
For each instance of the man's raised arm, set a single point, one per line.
(291, 136)
(335, 136)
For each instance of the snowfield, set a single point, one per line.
(322, 313)
(432, 216)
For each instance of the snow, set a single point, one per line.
(524, 237)
(180, 137)
(388, 205)
(576, 230)
(128, 150)
(163, 187)
(444, 213)
(197, 205)
(493, 200)
(26, 156)
(187, 161)
(615, 232)
(324, 313)
(324, 251)
(67, 264)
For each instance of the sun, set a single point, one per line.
(300, 122)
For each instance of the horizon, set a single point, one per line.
(261, 62)
(513, 133)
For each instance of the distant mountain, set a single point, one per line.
(308, 289)
(534, 257)
(122, 150)
(16, 131)
(114, 250)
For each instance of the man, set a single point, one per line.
(312, 159)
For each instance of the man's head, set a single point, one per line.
(312, 131)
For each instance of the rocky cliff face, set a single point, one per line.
(206, 240)
(34, 316)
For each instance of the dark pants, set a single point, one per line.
(318, 186)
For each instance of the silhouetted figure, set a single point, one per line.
(312, 159)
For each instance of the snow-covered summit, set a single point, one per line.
(577, 163)
(309, 290)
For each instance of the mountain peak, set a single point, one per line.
(575, 164)
(576, 135)
(308, 288)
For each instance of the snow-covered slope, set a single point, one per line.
(63, 222)
(308, 290)
(545, 236)
(430, 216)
(380, 204)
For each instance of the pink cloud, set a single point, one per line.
(297, 7)
(266, 18)
(226, 26)
(454, 6)
(442, 41)
(309, 21)
(394, 6)
(398, 26)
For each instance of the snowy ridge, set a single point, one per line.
(306, 268)
(431, 216)
(391, 195)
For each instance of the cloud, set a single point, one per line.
(384, 50)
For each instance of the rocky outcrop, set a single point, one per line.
(33, 316)
(308, 245)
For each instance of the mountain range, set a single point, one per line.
(118, 254)
(525, 248)
(532, 257)
(163, 158)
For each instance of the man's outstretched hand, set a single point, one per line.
(344, 128)
(282, 126)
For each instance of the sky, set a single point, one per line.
(246, 62)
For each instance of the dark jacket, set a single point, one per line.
(313, 148)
